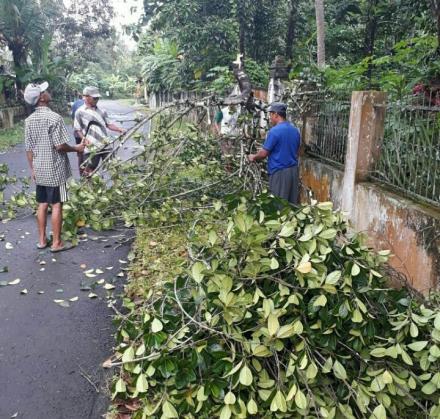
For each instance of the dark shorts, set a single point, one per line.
(51, 194)
(285, 184)
(78, 139)
(91, 163)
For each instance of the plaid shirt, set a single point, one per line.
(44, 130)
(96, 134)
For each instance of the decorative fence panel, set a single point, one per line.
(410, 154)
(324, 117)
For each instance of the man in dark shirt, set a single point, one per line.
(75, 106)
(281, 147)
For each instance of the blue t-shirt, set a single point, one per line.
(282, 143)
(76, 105)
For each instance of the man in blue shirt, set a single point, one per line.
(281, 147)
(75, 106)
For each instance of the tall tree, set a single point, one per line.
(291, 27)
(24, 26)
(83, 24)
(435, 6)
(320, 32)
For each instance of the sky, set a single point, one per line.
(126, 12)
(123, 11)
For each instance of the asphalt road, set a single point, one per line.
(50, 355)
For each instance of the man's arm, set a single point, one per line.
(115, 128)
(77, 125)
(66, 148)
(60, 139)
(30, 159)
(261, 155)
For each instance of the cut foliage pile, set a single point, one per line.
(273, 312)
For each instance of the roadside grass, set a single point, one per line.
(126, 101)
(156, 261)
(11, 136)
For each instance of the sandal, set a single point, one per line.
(62, 248)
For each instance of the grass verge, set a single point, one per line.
(11, 136)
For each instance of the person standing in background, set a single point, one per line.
(281, 148)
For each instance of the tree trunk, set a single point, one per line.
(20, 60)
(320, 32)
(241, 18)
(291, 26)
(370, 36)
(435, 6)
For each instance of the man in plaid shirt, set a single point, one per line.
(46, 143)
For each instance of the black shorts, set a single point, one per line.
(78, 139)
(51, 194)
(92, 163)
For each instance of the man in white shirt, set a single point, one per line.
(91, 124)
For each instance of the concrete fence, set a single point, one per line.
(409, 229)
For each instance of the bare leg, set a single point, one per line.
(41, 222)
(57, 220)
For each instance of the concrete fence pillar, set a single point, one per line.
(7, 117)
(365, 135)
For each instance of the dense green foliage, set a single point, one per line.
(49, 41)
(368, 42)
(275, 314)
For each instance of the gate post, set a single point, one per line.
(365, 135)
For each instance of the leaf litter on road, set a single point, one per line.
(14, 282)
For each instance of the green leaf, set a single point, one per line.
(357, 316)
(286, 331)
(156, 326)
(212, 237)
(230, 398)
(304, 267)
(201, 396)
(378, 352)
(300, 400)
(128, 355)
(378, 384)
(328, 365)
(142, 384)
(321, 301)
(312, 371)
(333, 277)
(235, 369)
(169, 411)
(252, 407)
(261, 351)
(325, 206)
(274, 264)
(287, 230)
(434, 351)
(437, 322)
(413, 330)
(197, 270)
(273, 324)
(328, 234)
(120, 386)
(226, 412)
(418, 346)
(339, 370)
(387, 377)
(355, 270)
(279, 402)
(429, 388)
(379, 412)
(246, 377)
(292, 392)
